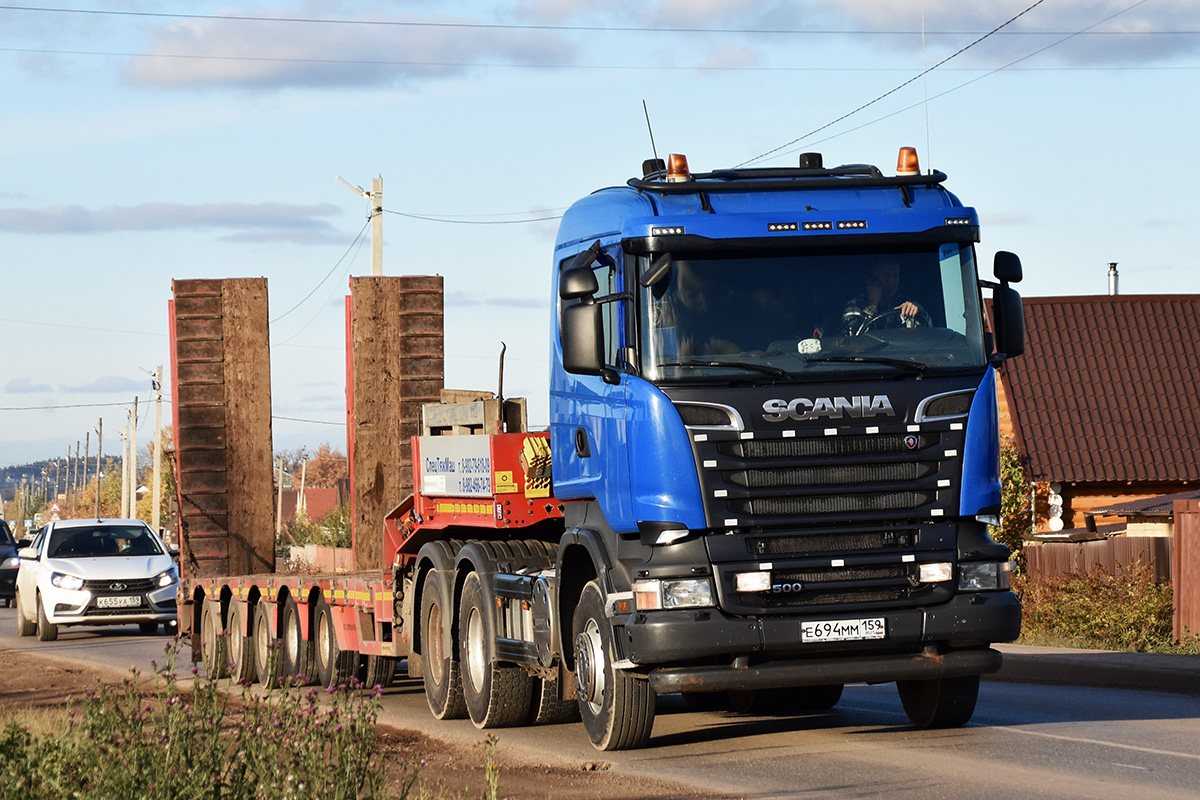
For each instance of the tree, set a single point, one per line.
(1016, 524)
(326, 468)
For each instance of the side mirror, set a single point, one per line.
(577, 283)
(1007, 267)
(1010, 320)
(583, 338)
(27, 554)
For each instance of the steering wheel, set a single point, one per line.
(920, 320)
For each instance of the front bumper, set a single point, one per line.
(83, 607)
(967, 623)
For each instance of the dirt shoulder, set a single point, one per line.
(38, 685)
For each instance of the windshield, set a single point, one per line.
(109, 540)
(814, 314)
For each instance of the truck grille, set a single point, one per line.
(830, 475)
(821, 543)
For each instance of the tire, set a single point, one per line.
(240, 648)
(939, 702)
(497, 694)
(148, 628)
(268, 656)
(617, 708)
(378, 671)
(546, 708)
(335, 666)
(440, 670)
(212, 642)
(47, 631)
(25, 626)
(299, 658)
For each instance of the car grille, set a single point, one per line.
(126, 586)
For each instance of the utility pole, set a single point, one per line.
(279, 500)
(156, 512)
(124, 512)
(99, 450)
(133, 476)
(376, 217)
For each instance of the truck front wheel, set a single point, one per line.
(497, 694)
(443, 682)
(939, 702)
(617, 706)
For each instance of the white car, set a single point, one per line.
(95, 572)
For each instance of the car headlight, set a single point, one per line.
(64, 581)
(984, 576)
(167, 577)
(12, 562)
(673, 593)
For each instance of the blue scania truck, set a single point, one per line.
(779, 477)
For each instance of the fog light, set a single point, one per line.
(752, 581)
(936, 572)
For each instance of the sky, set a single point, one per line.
(143, 142)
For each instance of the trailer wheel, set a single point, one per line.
(268, 660)
(378, 671)
(241, 649)
(616, 706)
(939, 702)
(299, 661)
(25, 626)
(547, 709)
(212, 642)
(335, 666)
(497, 694)
(443, 682)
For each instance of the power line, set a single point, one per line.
(327, 275)
(473, 221)
(892, 91)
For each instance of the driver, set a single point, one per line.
(882, 306)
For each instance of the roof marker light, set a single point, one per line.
(907, 163)
(677, 168)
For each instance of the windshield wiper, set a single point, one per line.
(911, 366)
(766, 369)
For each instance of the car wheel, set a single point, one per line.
(25, 626)
(47, 631)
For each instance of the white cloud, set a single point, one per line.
(109, 384)
(255, 221)
(25, 386)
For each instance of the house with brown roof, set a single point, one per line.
(1103, 404)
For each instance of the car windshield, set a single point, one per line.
(6, 537)
(817, 315)
(102, 541)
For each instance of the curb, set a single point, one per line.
(1154, 672)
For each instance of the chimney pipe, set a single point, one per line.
(1112, 279)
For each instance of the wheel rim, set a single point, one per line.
(262, 647)
(291, 638)
(476, 662)
(589, 665)
(433, 625)
(323, 640)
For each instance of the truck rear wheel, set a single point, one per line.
(616, 706)
(378, 671)
(241, 649)
(335, 666)
(212, 641)
(298, 658)
(443, 682)
(939, 702)
(268, 658)
(497, 694)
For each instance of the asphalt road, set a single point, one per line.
(1026, 740)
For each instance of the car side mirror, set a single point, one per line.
(27, 554)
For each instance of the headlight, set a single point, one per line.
(671, 593)
(12, 562)
(65, 581)
(167, 577)
(984, 576)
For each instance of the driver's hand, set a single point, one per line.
(908, 309)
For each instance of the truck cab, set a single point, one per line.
(773, 413)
